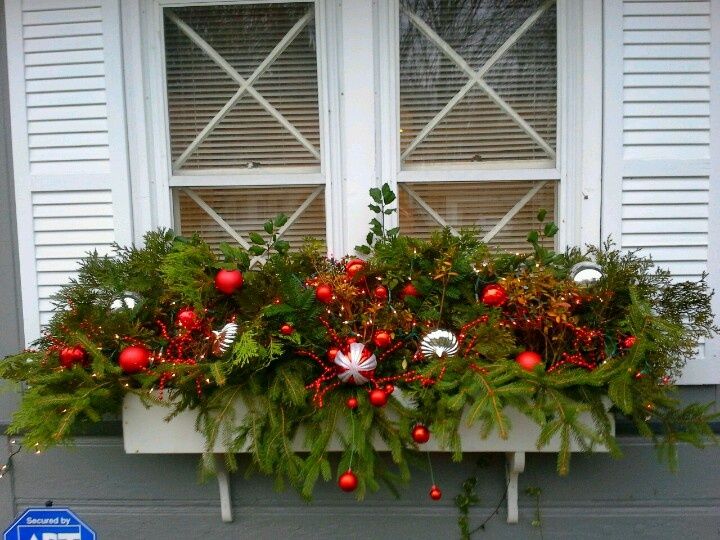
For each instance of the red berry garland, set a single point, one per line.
(348, 481)
(228, 281)
(134, 359)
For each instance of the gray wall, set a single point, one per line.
(159, 497)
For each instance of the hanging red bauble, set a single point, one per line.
(629, 341)
(378, 397)
(187, 318)
(409, 290)
(389, 389)
(494, 295)
(529, 360)
(435, 493)
(69, 356)
(286, 329)
(228, 281)
(134, 359)
(353, 266)
(352, 403)
(324, 293)
(332, 353)
(420, 434)
(348, 481)
(381, 292)
(382, 338)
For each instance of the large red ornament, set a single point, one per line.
(324, 293)
(69, 356)
(228, 281)
(134, 359)
(494, 295)
(435, 493)
(353, 266)
(286, 329)
(378, 397)
(529, 360)
(409, 290)
(187, 318)
(348, 481)
(381, 292)
(420, 434)
(382, 338)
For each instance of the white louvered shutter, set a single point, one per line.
(657, 193)
(69, 141)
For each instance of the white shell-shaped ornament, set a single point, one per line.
(224, 338)
(439, 343)
(353, 367)
(585, 273)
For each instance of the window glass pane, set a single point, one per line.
(246, 209)
(273, 123)
(480, 205)
(446, 116)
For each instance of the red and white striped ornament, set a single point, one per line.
(357, 366)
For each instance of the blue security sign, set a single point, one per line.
(48, 524)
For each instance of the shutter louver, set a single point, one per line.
(69, 141)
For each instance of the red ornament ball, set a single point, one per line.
(228, 281)
(494, 295)
(409, 290)
(324, 293)
(332, 353)
(134, 359)
(529, 360)
(435, 493)
(629, 341)
(389, 389)
(381, 292)
(187, 318)
(420, 434)
(348, 481)
(352, 403)
(286, 329)
(69, 356)
(378, 397)
(382, 338)
(353, 266)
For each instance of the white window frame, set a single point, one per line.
(359, 118)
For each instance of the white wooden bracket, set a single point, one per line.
(223, 480)
(515, 465)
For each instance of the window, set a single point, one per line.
(244, 119)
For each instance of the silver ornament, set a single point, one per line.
(439, 343)
(353, 367)
(127, 301)
(585, 273)
(224, 338)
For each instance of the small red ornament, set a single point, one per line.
(69, 356)
(353, 266)
(332, 353)
(389, 389)
(382, 338)
(629, 341)
(528, 360)
(494, 295)
(409, 290)
(187, 318)
(228, 281)
(378, 397)
(435, 493)
(381, 292)
(348, 481)
(134, 359)
(324, 293)
(286, 329)
(420, 434)
(352, 403)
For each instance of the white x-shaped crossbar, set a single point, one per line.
(245, 84)
(476, 78)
